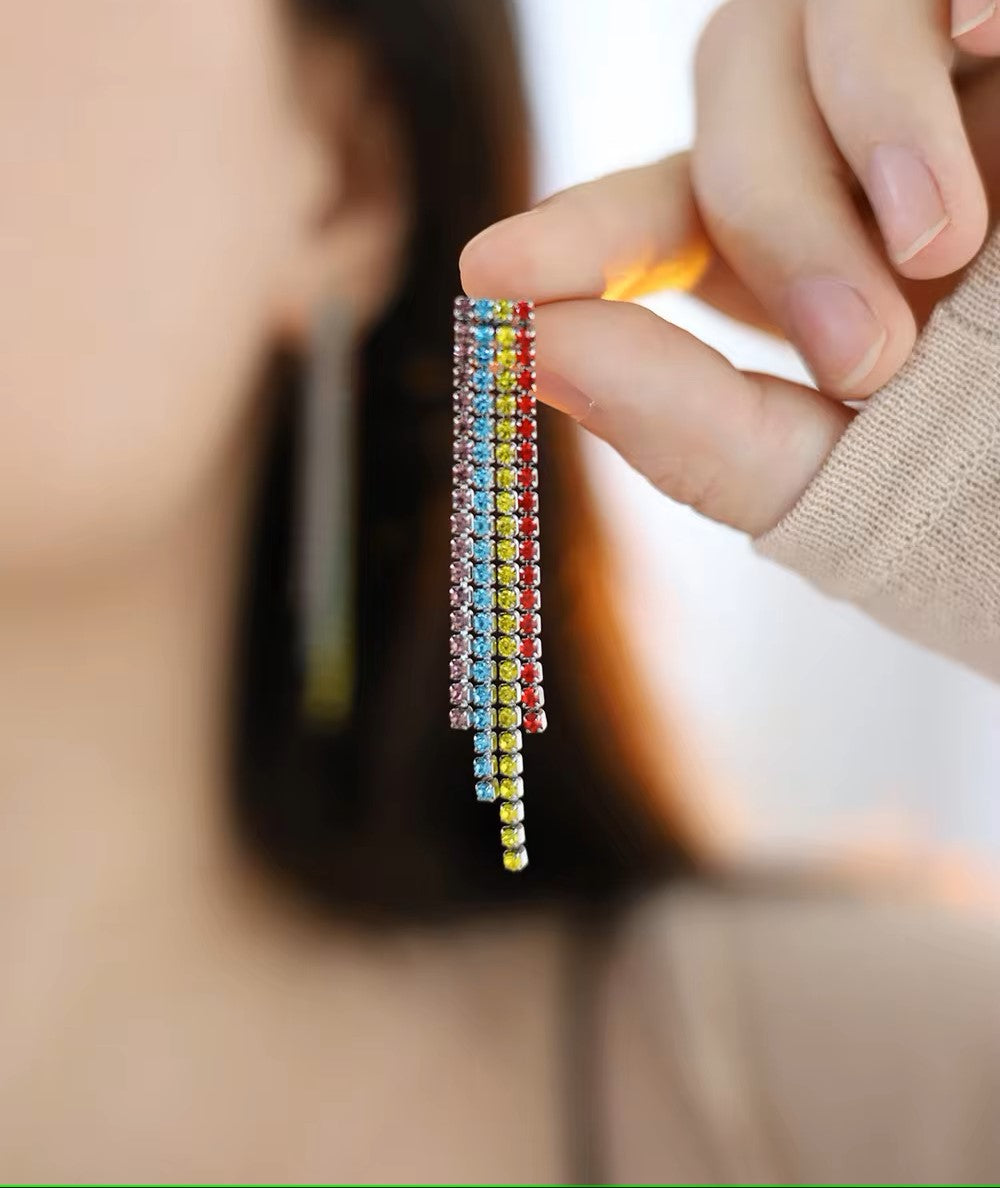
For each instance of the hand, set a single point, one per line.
(841, 176)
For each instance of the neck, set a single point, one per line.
(113, 728)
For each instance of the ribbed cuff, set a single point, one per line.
(904, 517)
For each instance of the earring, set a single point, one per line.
(326, 517)
(496, 669)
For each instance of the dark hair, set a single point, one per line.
(379, 818)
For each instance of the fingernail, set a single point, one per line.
(967, 15)
(836, 330)
(561, 394)
(906, 201)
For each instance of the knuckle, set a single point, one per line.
(696, 483)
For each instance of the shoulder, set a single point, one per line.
(821, 1035)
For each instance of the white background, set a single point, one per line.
(804, 725)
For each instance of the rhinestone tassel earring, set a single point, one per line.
(496, 669)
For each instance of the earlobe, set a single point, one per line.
(349, 247)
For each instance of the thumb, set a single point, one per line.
(738, 447)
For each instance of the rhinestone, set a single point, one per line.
(461, 522)
(481, 452)
(481, 477)
(525, 428)
(527, 452)
(505, 359)
(458, 719)
(507, 694)
(482, 501)
(458, 669)
(510, 765)
(506, 550)
(459, 595)
(530, 600)
(484, 766)
(462, 421)
(507, 646)
(462, 472)
(484, 335)
(509, 717)
(506, 381)
(506, 526)
(482, 719)
(527, 501)
(482, 404)
(506, 479)
(535, 722)
(486, 791)
(483, 671)
(511, 788)
(527, 476)
(481, 525)
(459, 645)
(463, 397)
(530, 624)
(532, 697)
(531, 647)
(482, 379)
(526, 380)
(483, 354)
(522, 310)
(505, 430)
(529, 575)
(508, 575)
(458, 694)
(511, 811)
(482, 428)
(484, 623)
(506, 502)
(515, 859)
(461, 498)
(510, 670)
(506, 624)
(526, 404)
(531, 673)
(503, 311)
(461, 306)
(527, 550)
(464, 448)
(482, 646)
(506, 406)
(512, 836)
(507, 599)
(483, 550)
(484, 742)
(461, 620)
(528, 526)
(482, 696)
(483, 597)
(461, 548)
(506, 336)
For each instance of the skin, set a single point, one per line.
(835, 190)
(183, 185)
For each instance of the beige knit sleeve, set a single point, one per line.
(904, 517)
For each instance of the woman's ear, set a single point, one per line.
(351, 241)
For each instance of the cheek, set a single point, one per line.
(151, 202)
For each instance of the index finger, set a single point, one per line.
(619, 236)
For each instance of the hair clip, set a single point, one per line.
(495, 645)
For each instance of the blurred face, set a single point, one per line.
(155, 180)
